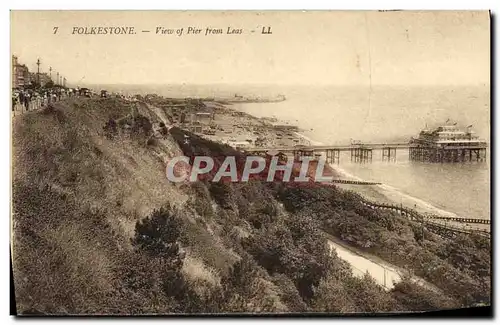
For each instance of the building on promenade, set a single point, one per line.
(13, 71)
(20, 73)
(21, 76)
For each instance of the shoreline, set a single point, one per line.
(382, 193)
(388, 194)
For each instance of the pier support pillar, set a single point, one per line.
(361, 154)
(333, 156)
(300, 153)
(389, 153)
(445, 155)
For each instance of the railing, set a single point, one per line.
(430, 219)
(346, 147)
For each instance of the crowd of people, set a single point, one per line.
(28, 99)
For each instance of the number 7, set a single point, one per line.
(55, 30)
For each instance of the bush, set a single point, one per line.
(294, 248)
(153, 142)
(110, 129)
(244, 289)
(142, 125)
(330, 296)
(414, 297)
(223, 194)
(157, 234)
(289, 294)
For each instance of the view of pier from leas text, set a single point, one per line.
(250, 162)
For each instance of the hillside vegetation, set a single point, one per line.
(98, 229)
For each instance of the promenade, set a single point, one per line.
(35, 104)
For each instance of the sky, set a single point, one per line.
(401, 48)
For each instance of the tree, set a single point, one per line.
(414, 297)
(157, 236)
(223, 194)
(331, 296)
(245, 290)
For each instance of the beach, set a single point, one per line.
(383, 193)
(387, 194)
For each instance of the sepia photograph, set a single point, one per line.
(250, 162)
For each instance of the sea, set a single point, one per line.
(340, 114)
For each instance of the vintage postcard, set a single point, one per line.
(250, 162)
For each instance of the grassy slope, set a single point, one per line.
(77, 196)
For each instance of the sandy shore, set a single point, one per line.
(242, 125)
(384, 193)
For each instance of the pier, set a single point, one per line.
(388, 153)
(445, 144)
(358, 152)
(361, 154)
(448, 144)
(364, 152)
(448, 154)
